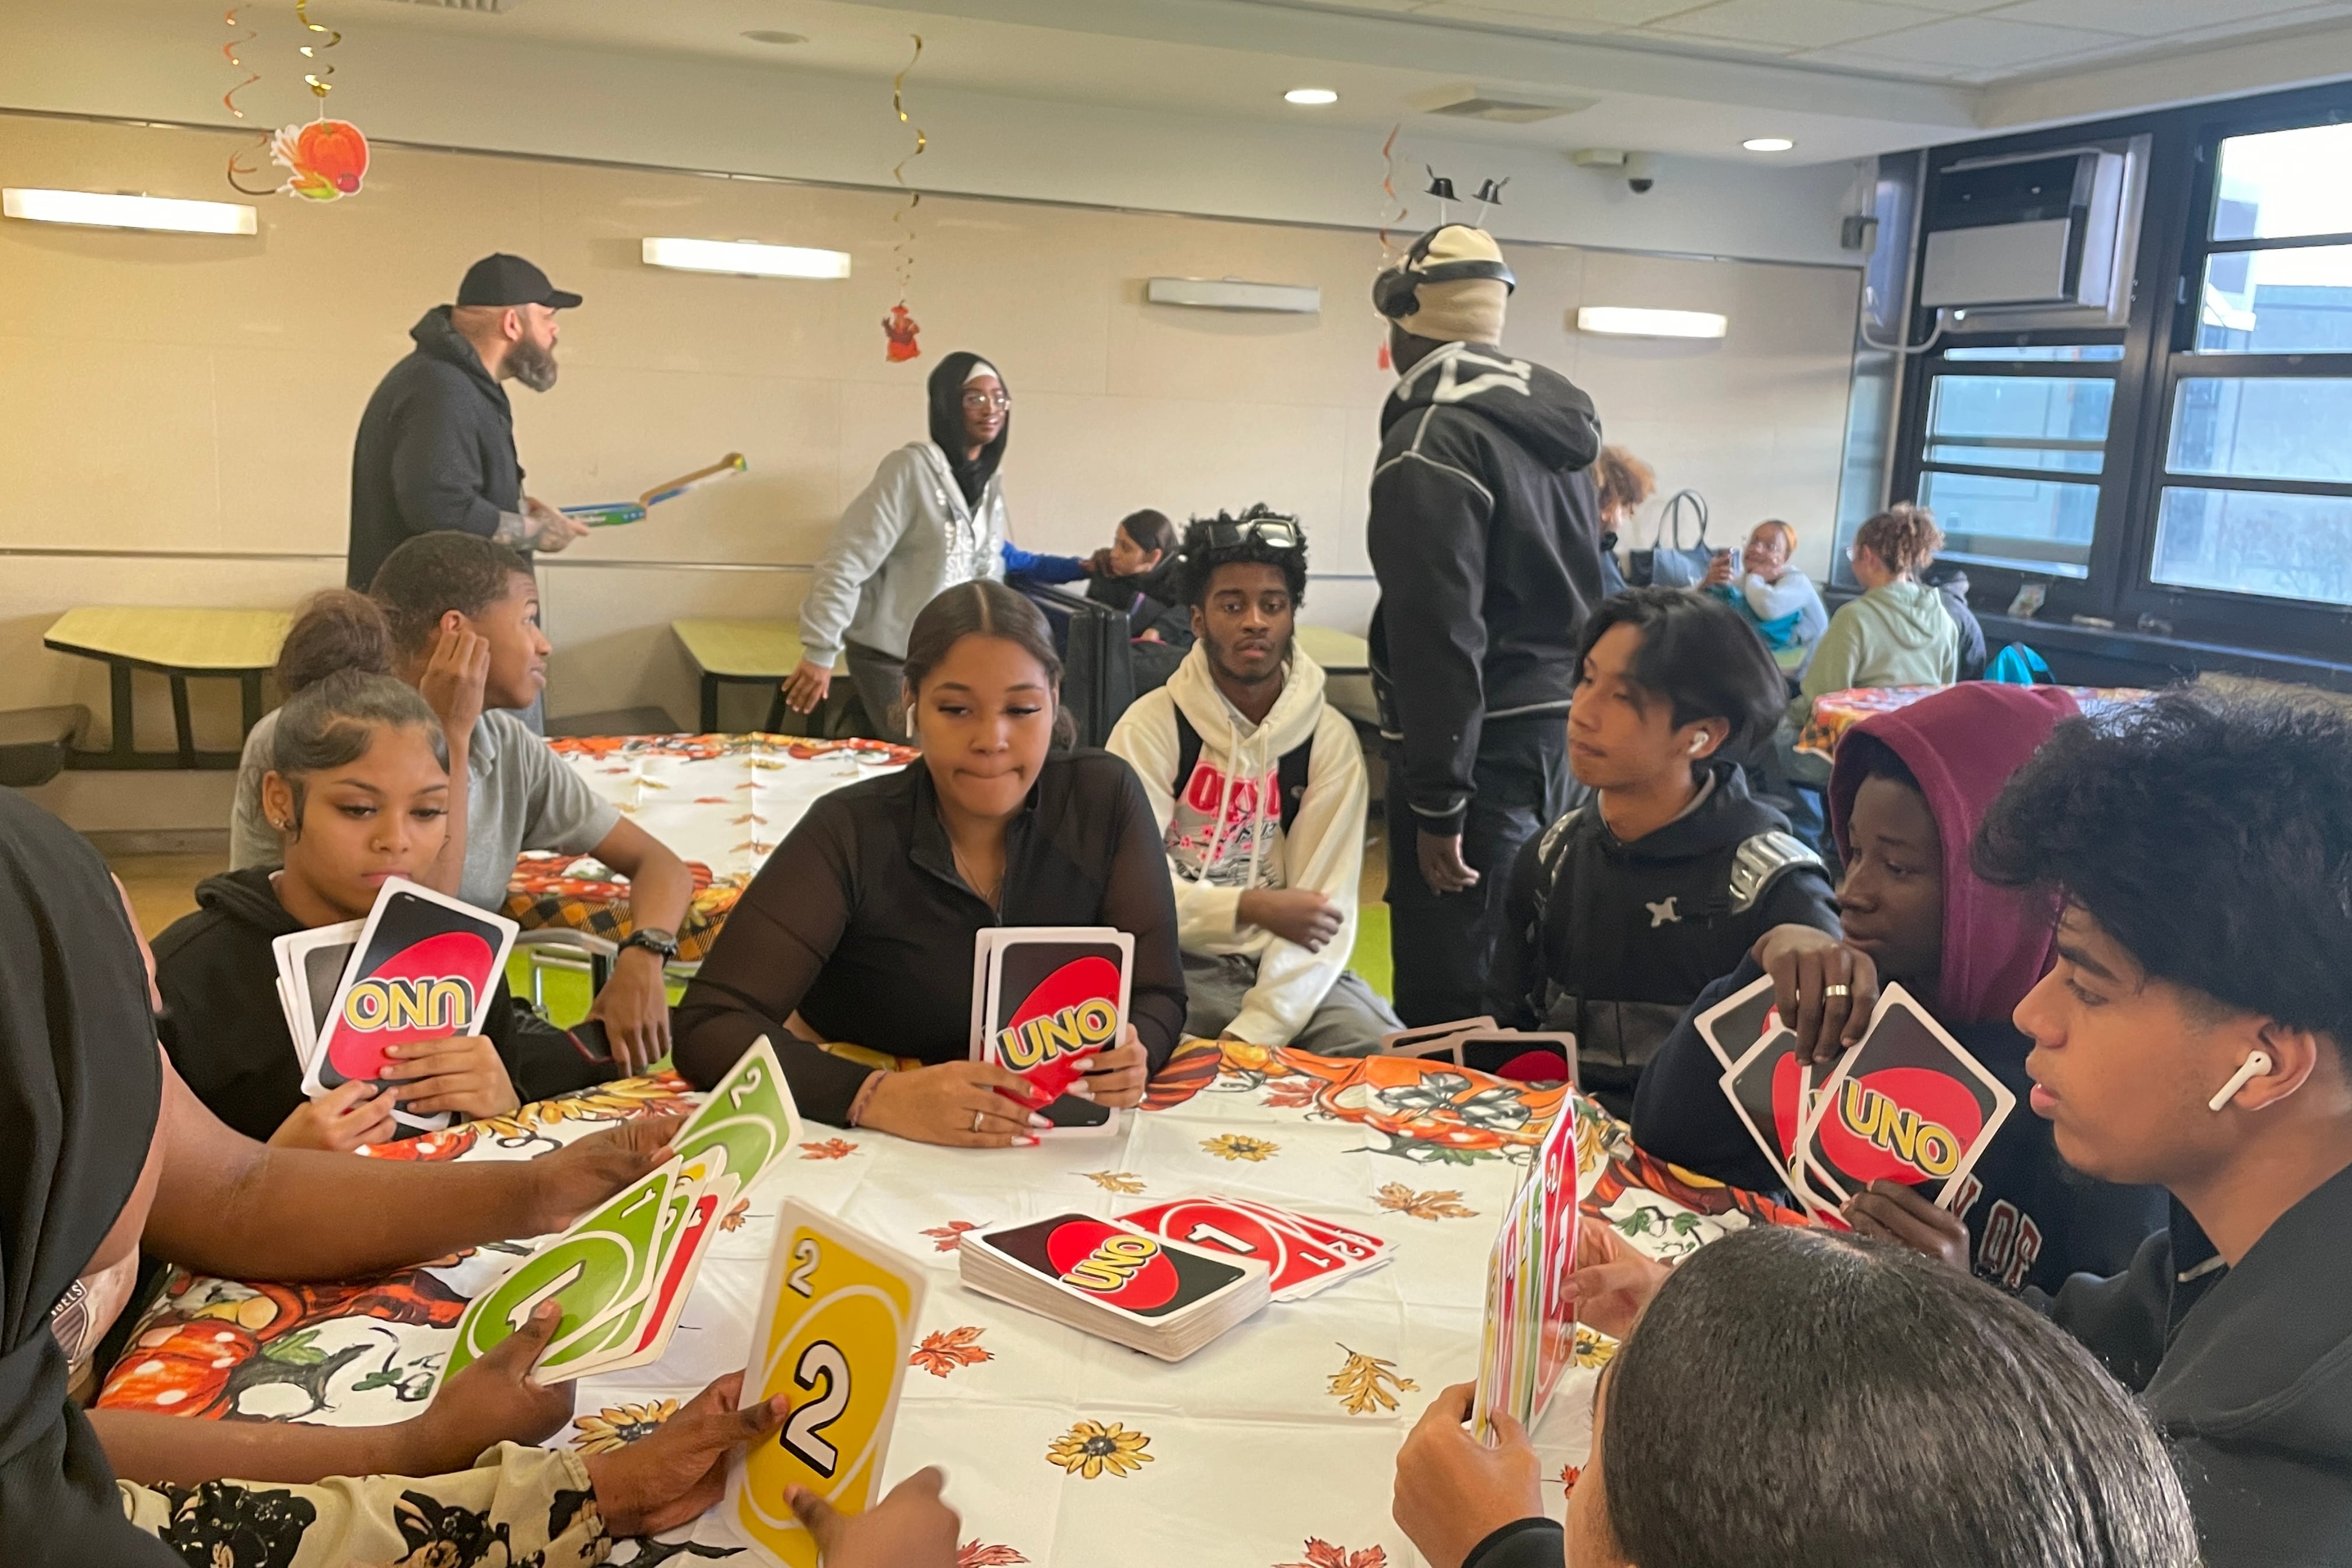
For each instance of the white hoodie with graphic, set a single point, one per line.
(1223, 828)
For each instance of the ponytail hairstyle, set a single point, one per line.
(336, 629)
(986, 609)
(332, 722)
(1904, 536)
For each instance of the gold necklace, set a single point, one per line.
(963, 869)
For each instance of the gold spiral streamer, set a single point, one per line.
(903, 253)
(1395, 210)
(244, 161)
(229, 53)
(319, 85)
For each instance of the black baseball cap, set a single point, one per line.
(504, 280)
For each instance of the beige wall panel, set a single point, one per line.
(285, 418)
(614, 648)
(109, 444)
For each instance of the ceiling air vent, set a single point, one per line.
(1467, 100)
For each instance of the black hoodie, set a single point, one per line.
(1613, 940)
(225, 1032)
(436, 450)
(1485, 535)
(2248, 1374)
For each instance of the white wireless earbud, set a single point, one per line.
(1698, 744)
(2255, 1064)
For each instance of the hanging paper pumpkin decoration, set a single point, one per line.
(900, 328)
(326, 159)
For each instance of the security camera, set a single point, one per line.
(1641, 172)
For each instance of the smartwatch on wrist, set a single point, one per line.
(660, 943)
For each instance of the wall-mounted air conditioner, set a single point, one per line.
(2034, 233)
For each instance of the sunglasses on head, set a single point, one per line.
(1275, 532)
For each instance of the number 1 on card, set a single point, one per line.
(838, 1316)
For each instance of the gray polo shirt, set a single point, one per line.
(522, 796)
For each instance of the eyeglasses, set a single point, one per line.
(988, 400)
(1275, 532)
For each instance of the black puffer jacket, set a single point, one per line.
(1485, 533)
(1613, 940)
(436, 450)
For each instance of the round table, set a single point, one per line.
(1273, 1446)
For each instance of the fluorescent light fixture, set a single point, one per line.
(1768, 144)
(1627, 322)
(745, 258)
(94, 209)
(1233, 294)
(1310, 95)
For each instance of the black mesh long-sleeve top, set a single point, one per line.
(861, 922)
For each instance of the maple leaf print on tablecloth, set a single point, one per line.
(1367, 1383)
(1291, 1093)
(944, 1350)
(1240, 1146)
(1321, 1554)
(831, 1148)
(1126, 1182)
(948, 1236)
(1443, 1204)
(734, 1217)
(972, 1554)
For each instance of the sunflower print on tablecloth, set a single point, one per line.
(1241, 1146)
(617, 1425)
(1091, 1448)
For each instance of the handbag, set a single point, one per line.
(1668, 563)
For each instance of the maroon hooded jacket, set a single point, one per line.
(2030, 1220)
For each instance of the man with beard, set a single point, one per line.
(1485, 536)
(436, 447)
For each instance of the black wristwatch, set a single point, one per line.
(660, 943)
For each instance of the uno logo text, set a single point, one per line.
(1112, 1263)
(444, 1003)
(1911, 1138)
(1068, 1032)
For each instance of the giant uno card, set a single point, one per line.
(744, 1124)
(835, 1323)
(1051, 1001)
(606, 1259)
(1100, 1260)
(1908, 1104)
(425, 969)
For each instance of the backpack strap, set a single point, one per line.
(1551, 854)
(1290, 771)
(1762, 862)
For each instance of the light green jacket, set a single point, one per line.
(1899, 634)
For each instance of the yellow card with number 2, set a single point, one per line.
(838, 1316)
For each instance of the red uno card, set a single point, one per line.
(1908, 1104)
(1115, 1266)
(1049, 1001)
(1294, 1261)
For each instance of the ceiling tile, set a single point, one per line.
(1797, 23)
(1564, 15)
(2145, 19)
(1957, 44)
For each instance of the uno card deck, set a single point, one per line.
(1767, 1089)
(1045, 1001)
(1739, 1021)
(426, 968)
(1300, 1263)
(835, 1323)
(1149, 1293)
(604, 1260)
(1908, 1103)
(311, 965)
(1530, 1338)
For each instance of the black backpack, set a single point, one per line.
(1289, 770)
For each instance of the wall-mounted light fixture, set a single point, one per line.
(95, 209)
(1233, 294)
(1312, 97)
(745, 258)
(1629, 321)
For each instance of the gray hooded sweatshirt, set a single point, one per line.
(906, 538)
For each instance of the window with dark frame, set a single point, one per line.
(2188, 476)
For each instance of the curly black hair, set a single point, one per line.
(1699, 656)
(1201, 558)
(2210, 835)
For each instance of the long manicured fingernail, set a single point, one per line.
(1026, 1143)
(1038, 1122)
(1082, 1089)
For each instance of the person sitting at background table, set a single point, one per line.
(111, 1160)
(1627, 907)
(1780, 601)
(858, 931)
(1795, 1399)
(1909, 790)
(1257, 785)
(461, 625)
(359, 793)
(932, 516)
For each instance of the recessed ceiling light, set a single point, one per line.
(1310, 95)
(1768, 144)
(775, 35)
